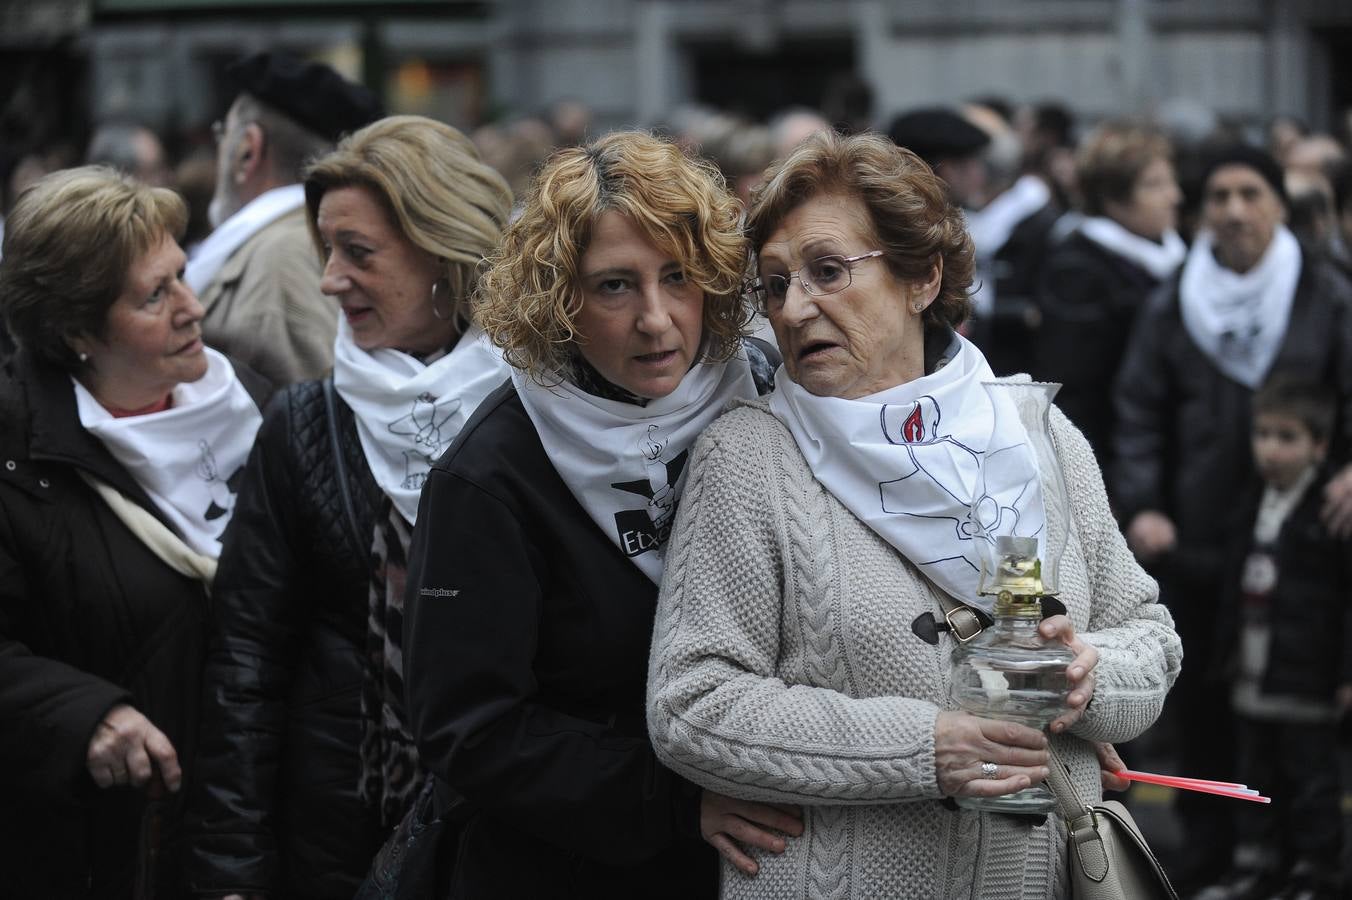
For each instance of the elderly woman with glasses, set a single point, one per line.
(796, 655)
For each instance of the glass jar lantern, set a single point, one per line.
(1009, 671)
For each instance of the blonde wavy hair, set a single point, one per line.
(530, 296)
(438, 192)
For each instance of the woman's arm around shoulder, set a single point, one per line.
(720, 711)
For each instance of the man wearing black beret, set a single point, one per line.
(951, 146)
(1249, 302)
(257, 274)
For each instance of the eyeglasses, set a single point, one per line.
(823, 275)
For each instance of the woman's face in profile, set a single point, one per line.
(859, 340)
(152, 338)
(1153, 207)
(381, 279)
(641, 320)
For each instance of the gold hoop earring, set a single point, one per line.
(449, 309)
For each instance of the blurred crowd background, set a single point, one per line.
(529, 73)
(140, 84)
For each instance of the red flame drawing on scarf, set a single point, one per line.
(913, 429)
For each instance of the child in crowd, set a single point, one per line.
(1287, 626)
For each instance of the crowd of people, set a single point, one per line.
(606, 500)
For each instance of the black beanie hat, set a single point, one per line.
(1246, 155)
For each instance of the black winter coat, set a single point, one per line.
(89, 618)
(526, 637)
(1089, 297)
(1310, 649)
(1182, 437)
(1007, 335)
(275, 808)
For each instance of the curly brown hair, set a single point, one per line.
(70, 243)
(530, 296)
(913, 221)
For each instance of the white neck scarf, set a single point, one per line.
(188, 458)
(1159, 259)
(408, 412)
(252, 218)
(1237, 320)
(990, 228)
(992, 225)
(626, 463)
(905, 461)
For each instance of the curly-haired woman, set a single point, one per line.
(533, 572)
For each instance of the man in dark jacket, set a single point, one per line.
(1249, 300)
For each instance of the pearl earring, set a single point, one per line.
(84, 357)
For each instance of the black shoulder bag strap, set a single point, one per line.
(339, 466)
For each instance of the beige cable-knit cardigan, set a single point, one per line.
(784, 669)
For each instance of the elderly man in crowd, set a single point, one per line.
(1249, 301)
(257, 275)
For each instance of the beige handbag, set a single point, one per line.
(1108, 857)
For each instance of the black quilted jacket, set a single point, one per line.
(275, 806)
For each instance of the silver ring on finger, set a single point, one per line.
(989, 769)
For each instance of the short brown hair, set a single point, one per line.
(438, 192)
(1311, 403)
(530, 296)
(1112, 159)
(914, 222)
(70, 243)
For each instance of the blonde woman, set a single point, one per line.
(305, 762)
(533, 575)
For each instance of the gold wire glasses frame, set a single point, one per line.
(823, 275)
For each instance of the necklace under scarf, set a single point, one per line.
(187, 458)
(407, 411)
(1159, 259)
(905, 461)
(626, 463)
(1239, 320)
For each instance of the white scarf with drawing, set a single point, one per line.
(626, 463)
(906, 460)
(1239, 320)
(408, 411)
(189, 457)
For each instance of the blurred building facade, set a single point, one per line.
(635, 61)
